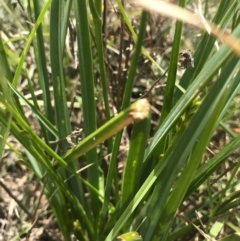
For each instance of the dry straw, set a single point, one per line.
(176, 12)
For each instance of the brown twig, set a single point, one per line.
(154, 84)
(15, 199)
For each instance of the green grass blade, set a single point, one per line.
(5, 73)
(135, 36)
(5, 68)
(172, 73)
(207, 169)
(177, 195)
(29, 41)
(171, 79)
(206, 117)
(62, 117)
(126, 101)
(208, 71)
(96, 10)
(57, 21)
(203, 77)
(88, 98)
(133, 167)
(134, 62)
(143, 190)
(135, 112)
(130, 236)
(29, 139)
(231, 237)
(205, 49)
(65, 13)
(43, 120)
(42, 69)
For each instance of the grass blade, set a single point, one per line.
(133, 167)
(125, 104)
(88, 98)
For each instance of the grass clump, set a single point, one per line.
(171, 187)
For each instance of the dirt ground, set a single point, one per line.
(23, 206)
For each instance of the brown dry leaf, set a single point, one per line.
(176, 12)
